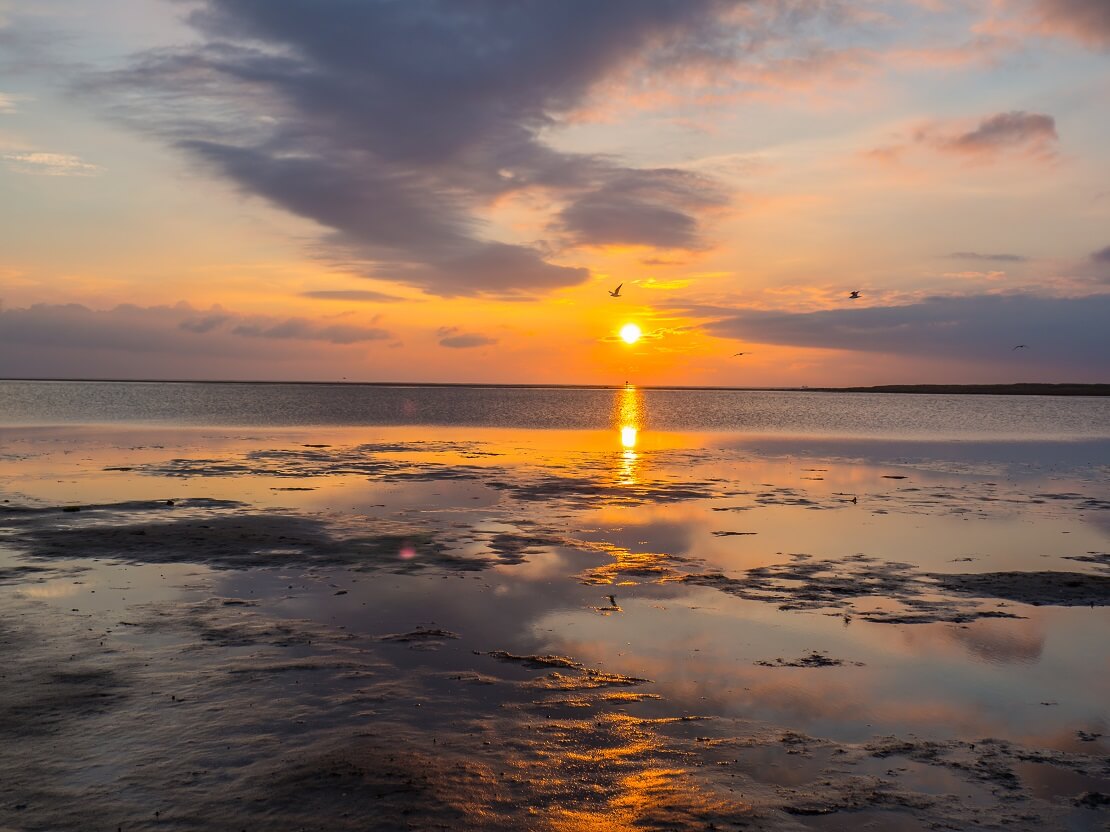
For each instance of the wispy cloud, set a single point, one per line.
(171, 341)
(302, 329)
(453, 338)
(976, 275)
(50, 164)
(178, 327)
(1012, 134)
(998, 258)
(1032, 133)
(357, 295)
(7, 103)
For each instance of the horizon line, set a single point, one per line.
(563, 386)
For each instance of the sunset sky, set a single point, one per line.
(412, 190)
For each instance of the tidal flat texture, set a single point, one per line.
(386, 627)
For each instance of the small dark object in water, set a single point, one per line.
(71, 508)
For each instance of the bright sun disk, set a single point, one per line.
(630, 333)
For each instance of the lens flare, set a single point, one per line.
(630, 333)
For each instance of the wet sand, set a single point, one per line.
(494, 629)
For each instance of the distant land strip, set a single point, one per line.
(1029, 389)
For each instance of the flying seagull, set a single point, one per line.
(1018, 347)
(616, 293)
(853, 296)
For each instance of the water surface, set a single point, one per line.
(335, 607)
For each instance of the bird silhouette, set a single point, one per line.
(853, 296)
(738, 353)
(616, 293)
(1018, 347)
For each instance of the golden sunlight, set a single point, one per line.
(630, 333)
(628, 415)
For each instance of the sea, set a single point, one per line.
(342, 606)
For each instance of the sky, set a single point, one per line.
(447, 190)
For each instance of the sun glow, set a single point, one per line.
(630, 333)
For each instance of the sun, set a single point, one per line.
(630, 333)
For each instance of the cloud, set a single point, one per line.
(395, 125)
(652, 335)
(1098, 266)
(466, 341)
(1087, 21)
(181, 331)
(1016, 133)
(304, 330)
(7, 103)
(50, 164)
(1069, 333)
(983, 50)
(203, 324)
(491, 268)
(998, 258)
(366, 295)
(975, 275)
(643, 207)
(652, 284)
(1028, 132)
(450, 336)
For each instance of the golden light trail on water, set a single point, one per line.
(628, 415)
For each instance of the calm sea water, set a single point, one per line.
(573, 609)
(770, 412)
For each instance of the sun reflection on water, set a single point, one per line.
(628, 416)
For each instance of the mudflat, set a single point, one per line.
(493, 628)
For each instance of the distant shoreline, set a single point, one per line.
(1017, 389)
(1029, 389)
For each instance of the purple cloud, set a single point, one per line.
(1067, 335)
(1033, 132)
(394, 125)
(71, 340)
